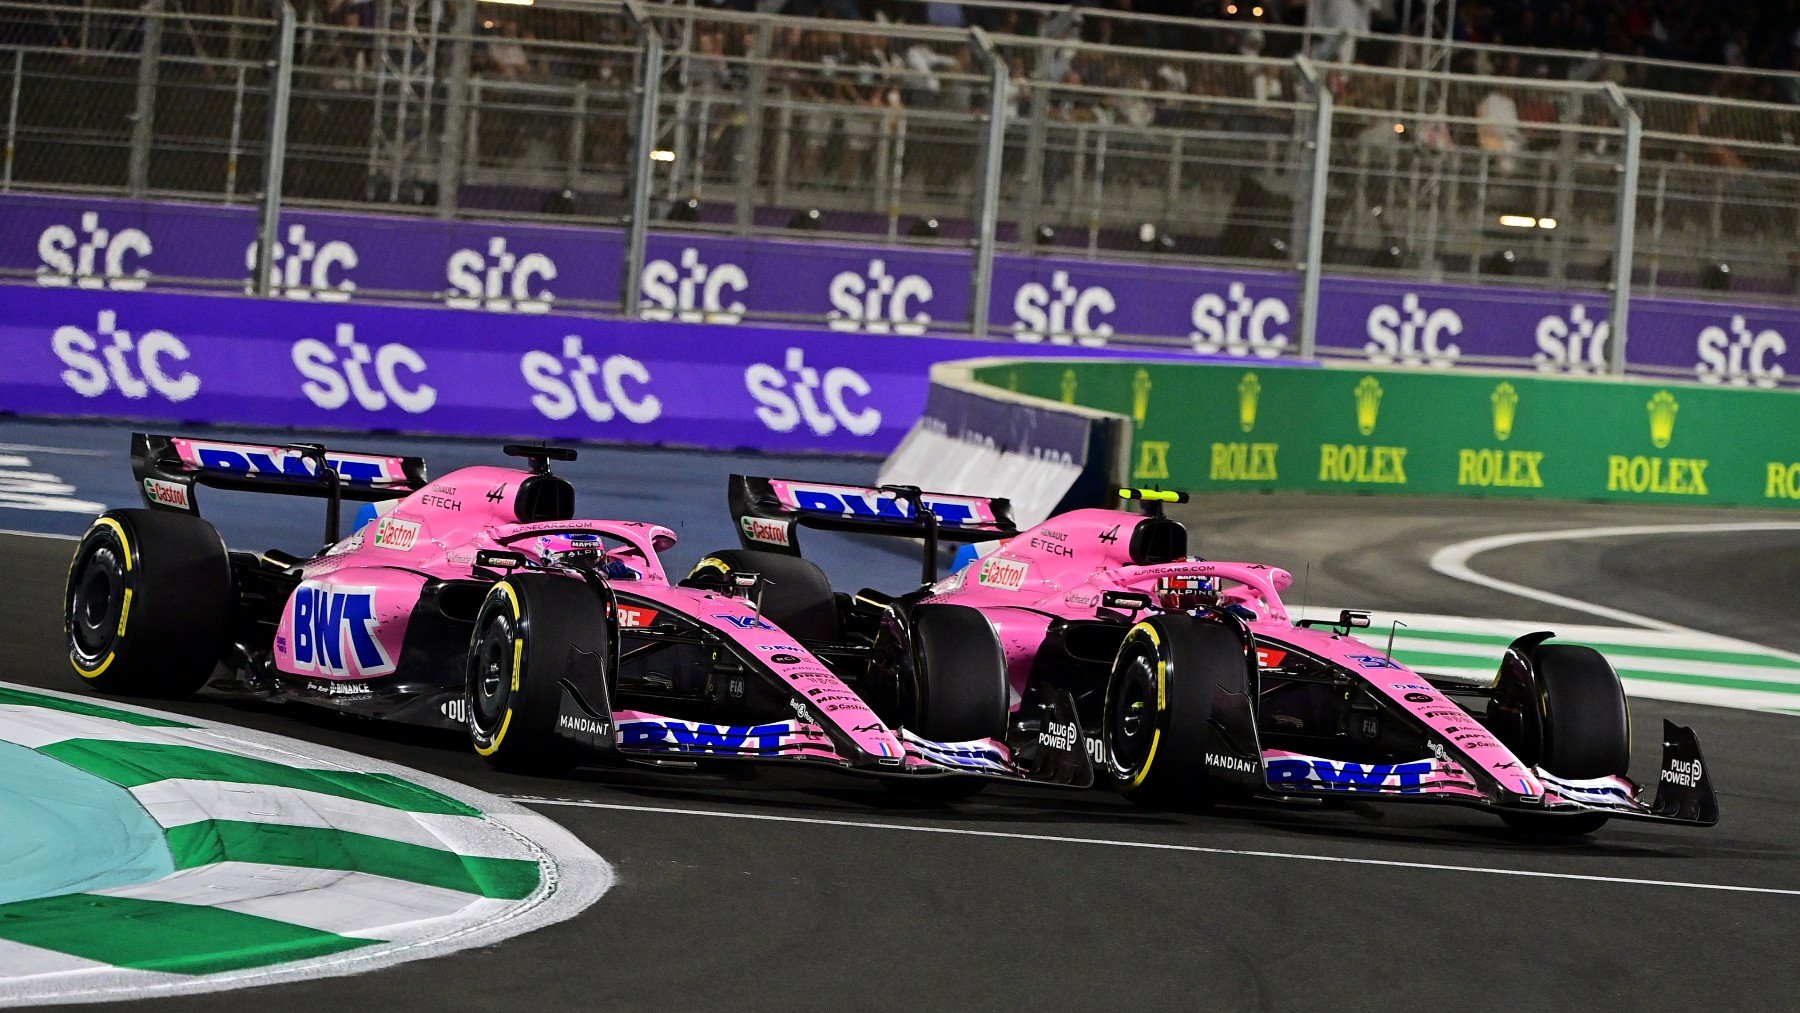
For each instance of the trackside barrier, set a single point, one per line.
(1207, 427)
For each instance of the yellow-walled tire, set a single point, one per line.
(525, 634)
(1159, 703)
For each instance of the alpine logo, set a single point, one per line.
(334, 631)
(766, 531)
(394, 533)
(172, 494)
(1004, 574)
(1233, 763)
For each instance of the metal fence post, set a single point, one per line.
(275, 152)
(749, 148)
(143, 118)
(992, 153)
(456, 118)
(642, 178)
(1315, 206)
(12, 116)
(1618, 316)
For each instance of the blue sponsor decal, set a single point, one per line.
(1343, 775)
(334, 631)
(1373, 661)
(884, 507)
(285, 465)
(746, 622)
(685, 737)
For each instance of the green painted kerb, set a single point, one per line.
(1202, 427)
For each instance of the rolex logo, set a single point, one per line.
(1368, 404)
(1506, 407)
(1248, 389)
(1068, 386)
(1662, 407)
(1140, 396)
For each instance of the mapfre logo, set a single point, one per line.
(801, 393)
(114, 359)
(1575, 343)
(1236, 324)
(566, 385)
(693, 291)
(499, 279)
(1062, 312)
(879, 302)
(1411, 335)
(304, 269)
(337, 373)
(1740, 354)
(93, 256)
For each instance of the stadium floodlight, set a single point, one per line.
(515, 3)
(923, 228)
(662, 155)
(1546, 223)
(1520, 221)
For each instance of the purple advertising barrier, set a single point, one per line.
(228, 359)
(1043, 301)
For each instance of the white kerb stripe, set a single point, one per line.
(18, 960)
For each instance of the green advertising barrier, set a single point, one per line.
(1216, 428)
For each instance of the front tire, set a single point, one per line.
(796, 594)
(148, 603)
(958, 691)
(1159, 705)
(526, 633)
(1584, 731)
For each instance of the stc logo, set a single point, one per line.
(1411, 335)
(303, 269)
(694, 291)
(1574, 344)
(1062, 313)
(784, 406)
(1238, 325)
(1735, 355)
(95, 257)
(499, 280)
(879, 302)
(335, 375)
(112, 359)
(567, 384)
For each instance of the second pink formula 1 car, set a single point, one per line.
(1190, 679)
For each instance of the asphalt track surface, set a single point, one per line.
(765, 888)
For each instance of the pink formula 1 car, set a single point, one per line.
(1189, 680)
(475, 600)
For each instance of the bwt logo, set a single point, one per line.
(334, 631)
(111, 358)
(498, 280)
(878, 301)
(694, 291)
(1574, 344)
(303, 269)
(95, 257)
(1063, 313)
(788, 397)
(567, 384)
(1411, 335)
(1739, 357)
(1238, 325)
(335, 375)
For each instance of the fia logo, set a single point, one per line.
(1411, 335)
(111, 358)
(787, 397)
(499, 280)
(1575, 344)
(879, 302)
(1238, 325)
(1734, 355)
(94, 257)
(336, 374)
(695, 291)
(1063, 313)
(567, 383)
(303, 269)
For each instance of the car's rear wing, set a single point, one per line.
(167, 469)
(770, 511)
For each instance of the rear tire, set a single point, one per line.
(959, 691)
(148, 603)
(520, 651)
(796, 594)
(1159, 704)
(1586, 731)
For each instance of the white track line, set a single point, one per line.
(40, 534)
(33, 448)
(1151, 846)
(1453, 560)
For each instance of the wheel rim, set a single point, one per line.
(1131, 714)
(97, 598)
(490, 681)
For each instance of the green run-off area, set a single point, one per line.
(1207, 427)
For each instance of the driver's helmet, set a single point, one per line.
(1186, 593)
(574, 548)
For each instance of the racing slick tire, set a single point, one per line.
(148, 603)
(796, 594)
(1585, 730)
(1158, 711)
(958, 691)
(526, 633)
